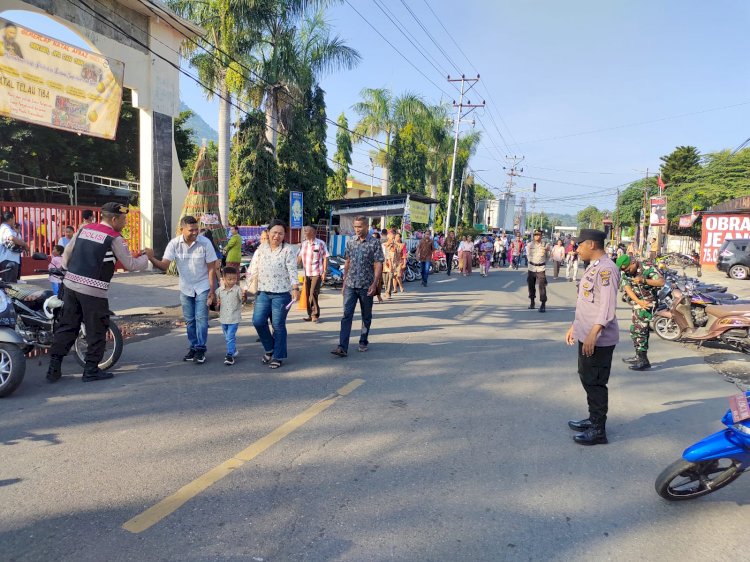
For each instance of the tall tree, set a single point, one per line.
(590, 217)
(297, 49)
(679, 164)
(232, 32)
(408, 162)
(381, 114)
(254, 184)
(342, 158)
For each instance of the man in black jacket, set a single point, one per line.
(90, 259)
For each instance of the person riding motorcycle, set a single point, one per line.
(641, 282)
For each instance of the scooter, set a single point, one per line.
(335, 274)
(709, 464)
(727, 323)
(12, 357)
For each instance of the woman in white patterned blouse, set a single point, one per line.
(275, 265)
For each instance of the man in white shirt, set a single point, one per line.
(196, 259)
(313, 254)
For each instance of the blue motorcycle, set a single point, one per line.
(709, 464)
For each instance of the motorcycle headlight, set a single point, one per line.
(4, 302)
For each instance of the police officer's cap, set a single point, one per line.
(537, 232)
(115, 208)
(591, 234)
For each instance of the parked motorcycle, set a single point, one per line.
(413, 270)
(727, 323)
(335, 273)
(710, 464)
(12, 358)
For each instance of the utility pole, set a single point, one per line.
(459, 115)
(460, 195)
(372, 174)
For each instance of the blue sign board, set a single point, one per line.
(296, 209)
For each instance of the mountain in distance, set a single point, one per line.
(565, 220)
(201, 129)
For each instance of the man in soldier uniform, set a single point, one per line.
(596, 331)
(641, 282)
(537, 253)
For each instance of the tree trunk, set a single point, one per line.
(272, 119)
(224, 145)
(433, 185)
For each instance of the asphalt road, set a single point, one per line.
(455, 446)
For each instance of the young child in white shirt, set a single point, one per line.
(230, 298)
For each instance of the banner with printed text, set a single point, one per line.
(658, 211)
(716, 229)
(420, 212)
(50, 83)
(296, 209)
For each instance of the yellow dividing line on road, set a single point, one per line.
(169, 505)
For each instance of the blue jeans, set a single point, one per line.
(230, 336)
(425, 270)
(272, 306)
(195, 311)
(351, 296)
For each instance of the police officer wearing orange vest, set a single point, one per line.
(90, 259)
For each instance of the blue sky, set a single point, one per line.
(555, 70)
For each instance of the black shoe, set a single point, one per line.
(531, 306)
(642, 363)
(543, 307)
(190, 355)
(200, 357)
(96, 375)
(580, 425)
(630, 360)
(592, 436)
(54, 371)
(229, 359)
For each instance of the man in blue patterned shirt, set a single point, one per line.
(362, 272)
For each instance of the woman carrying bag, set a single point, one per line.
(274, 272)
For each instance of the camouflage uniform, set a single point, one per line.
(641, 318)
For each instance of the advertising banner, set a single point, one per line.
(406, 219)
(296, 209)
(50, 83)
(420, 212)
(716, 229)
(658, 211)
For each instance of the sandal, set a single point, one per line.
(275, 364)
(339, 351)
(267, 357)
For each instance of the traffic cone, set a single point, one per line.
(302, 304)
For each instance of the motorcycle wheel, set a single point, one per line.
(112, 351)
(12, 368)
(409, 275)
(685, 480)
(667, 329)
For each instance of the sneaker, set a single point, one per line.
(235, 354)
(200, 357)
(229, 359)
(97, 375)
(190, 355)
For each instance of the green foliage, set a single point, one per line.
(342, 158)
(302, 162)
(681, 163)
(212, 150)
(408, 162)
(631, 201)
(590, 217)
(253, 186)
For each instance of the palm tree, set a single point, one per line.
(297, 49)
(381, 113)
(433, 126)
(231, 34)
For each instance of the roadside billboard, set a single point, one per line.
(716, 229)
(53, 84)
(658, 211)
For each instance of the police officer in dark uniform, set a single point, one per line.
(90, 259)
(596, 331)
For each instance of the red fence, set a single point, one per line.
(42, 225)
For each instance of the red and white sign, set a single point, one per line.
(686, 221)
(716, 229)
(658, 211)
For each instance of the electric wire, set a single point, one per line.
(91, 11)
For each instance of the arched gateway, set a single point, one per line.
(146, 36)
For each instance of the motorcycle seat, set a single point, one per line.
(728, 310)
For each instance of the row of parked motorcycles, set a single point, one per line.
(29, 316)
(412, 272)
(688, 310)
(691, 311)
